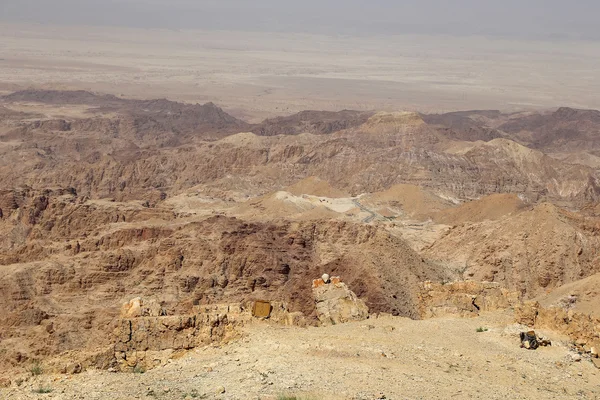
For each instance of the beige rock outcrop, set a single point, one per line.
(143, 342)
(464, 298)
(583, 329)
(139, 307)
(336, 303)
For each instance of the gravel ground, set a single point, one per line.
(387, 357)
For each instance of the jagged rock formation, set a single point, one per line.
(566, 129)
(69, 263)
(128, 199)
(153, 149)
(336, 304)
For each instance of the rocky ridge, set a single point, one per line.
(191, 207)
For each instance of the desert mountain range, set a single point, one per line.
(104, 199)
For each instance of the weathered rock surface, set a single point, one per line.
(336, 304)
(157, 199)
(139, 307)
(464, 299)
(531, 252)
(147, 342)
(583, 329)
(143, 342)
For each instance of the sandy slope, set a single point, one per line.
(584, 294)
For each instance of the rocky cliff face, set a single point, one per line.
(182, 203)
(68, 264)
(144, 342)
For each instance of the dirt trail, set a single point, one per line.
(393, 357)
(365, 209)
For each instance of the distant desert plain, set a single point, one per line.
(258, 75)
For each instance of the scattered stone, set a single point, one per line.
(594, 352)
(75, 368)
(576, 357)
(596, 362)
(529, 340)
(220, 390)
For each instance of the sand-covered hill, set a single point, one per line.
(580, 296)
(530, 251)
(492, 207)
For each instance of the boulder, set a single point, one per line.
(132, 309)
(336, 303)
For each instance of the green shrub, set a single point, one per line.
(194, 394)
(36, 369)
(482, 329)
(42, 389)
(139, 370)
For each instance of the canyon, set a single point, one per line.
(427, 218)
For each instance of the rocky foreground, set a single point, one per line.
(379, 358)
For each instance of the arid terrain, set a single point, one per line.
(138, 234)
(258, 75)
(392, 358)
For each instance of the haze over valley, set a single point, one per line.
(269, 202)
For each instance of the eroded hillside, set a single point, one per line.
(105, 199)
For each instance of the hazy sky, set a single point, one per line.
(516, 18)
